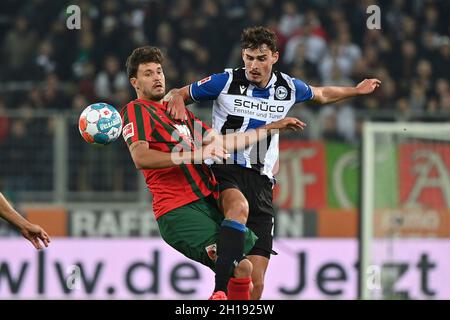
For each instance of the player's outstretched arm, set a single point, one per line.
(240, 140)
(145, 158)
(323, 95)
(31, 232)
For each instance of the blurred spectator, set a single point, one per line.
(53, 93)
(16, 159)
(35, 99)
(110, 79)
(424, 73)
(86, 84)
(442, 61)
(417, 99)
(291, 19)
(347, 47)
(335, 61)
(18, 47)
(301, 61)
(432, 106)
(4, 122)
(45, 61)
(444, 102)
(329, 124)
(404, 109)
(315, 46)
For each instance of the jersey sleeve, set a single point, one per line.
(208, 88)
(136, 123)
(303, 92)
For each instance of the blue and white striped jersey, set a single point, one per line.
(240, 106)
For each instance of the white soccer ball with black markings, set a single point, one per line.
(100, 123)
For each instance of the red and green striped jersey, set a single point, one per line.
(175, 186)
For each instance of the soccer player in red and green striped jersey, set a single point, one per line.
(176, 186)
(171, 153)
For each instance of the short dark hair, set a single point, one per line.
(141, 55)
(255, 37)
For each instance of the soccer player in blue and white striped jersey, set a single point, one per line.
(247, 98)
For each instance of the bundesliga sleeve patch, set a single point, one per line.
(128, 131)
(204, 80)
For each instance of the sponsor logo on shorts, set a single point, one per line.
(212, 251)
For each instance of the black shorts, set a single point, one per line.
(257, 189)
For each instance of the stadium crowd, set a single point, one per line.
(46, 66)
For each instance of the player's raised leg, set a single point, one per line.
(230, 246)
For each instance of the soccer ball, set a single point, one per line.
(100, 123)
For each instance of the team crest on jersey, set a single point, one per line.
(281, 93)
(128, 131)
(212, 251)
(204, 80)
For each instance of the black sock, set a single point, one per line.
(230, 249)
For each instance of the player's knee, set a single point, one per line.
(238, 210)
(244, 269)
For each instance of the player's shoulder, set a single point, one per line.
(128, 106)
(293, 82)
(283, 76)
(283, 79)
(125, 108)
(236, 76)
(134, 105)
(237, 73)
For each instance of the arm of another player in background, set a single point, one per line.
(323, 95)
(207, 89)
(31, 232)
(145, 158)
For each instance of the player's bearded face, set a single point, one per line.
(151, 81)
(258, 64)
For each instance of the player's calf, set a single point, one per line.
(260, 264)
(257, 290)
(230, 249)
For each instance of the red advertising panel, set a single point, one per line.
(302, 176)
(424, 175)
